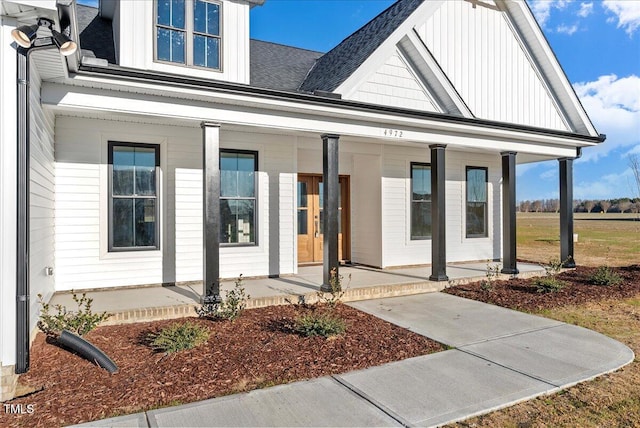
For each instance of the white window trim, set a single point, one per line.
(189, 32)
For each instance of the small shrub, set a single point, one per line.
(491, 274)
(323, 324)
(604, 275)
(333, 297)
(178, 337)
(548, 284)
(231, 306)
(80, 322)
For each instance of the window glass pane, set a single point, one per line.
(123, 170)
(170, 45)
(145, 161)
(206, 18)
(206, 51)
(228, 183)
(246, 184)
(420, 220)
(237, 175)
(476, 219)
(321, 194)
(123, 223)
(164, 12)
(145, 222)
(177, 13)
(302, 194)
(421, 183)
(302, 222)
(237, 221)
(321, 224)
(477, 185)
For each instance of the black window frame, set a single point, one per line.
(411, 201)
(189, 33)
(255, 242)
(110, 196)
(486, 203)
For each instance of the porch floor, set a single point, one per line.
(146, 303)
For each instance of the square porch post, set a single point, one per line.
(211, 212)
(330, 194)
(438, 215)
(566, 213)
(509, 264)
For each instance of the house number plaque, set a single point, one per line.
(393, 133)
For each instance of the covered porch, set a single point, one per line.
(147, 303)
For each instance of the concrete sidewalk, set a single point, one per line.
(501, 357)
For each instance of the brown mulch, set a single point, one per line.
(257, 350)
(522, 294)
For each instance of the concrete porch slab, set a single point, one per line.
(147, 303)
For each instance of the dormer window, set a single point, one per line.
(188, 32)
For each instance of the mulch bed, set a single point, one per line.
(522, 294)
(257, 350)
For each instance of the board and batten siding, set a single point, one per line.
(396, 84)
(397, 247)
(81, 206)
(486, 63)
(134, 34)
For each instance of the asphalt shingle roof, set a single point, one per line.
(96, 33)
(340, 62)
(275, 66)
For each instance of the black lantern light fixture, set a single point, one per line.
(26, 37)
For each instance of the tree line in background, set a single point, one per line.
(622, 205)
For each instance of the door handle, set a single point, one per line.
(316, 229)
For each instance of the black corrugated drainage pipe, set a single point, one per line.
(87, 350)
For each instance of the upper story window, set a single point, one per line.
(188, 32)
(133, 196)
(476, 202)
(420, 201)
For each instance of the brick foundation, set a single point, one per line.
(8, 382)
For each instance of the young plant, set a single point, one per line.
(80, 322)
(550, 283)
(334, 296)
(231, 307)
(178, 337)
(491, 274)
(324, 324)
(606, 276)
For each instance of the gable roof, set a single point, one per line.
(339, 63)
(275, 66)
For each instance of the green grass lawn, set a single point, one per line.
(603, 239)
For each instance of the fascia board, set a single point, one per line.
(440, 83)
(302, 117)
(561, 88)
(386, 49)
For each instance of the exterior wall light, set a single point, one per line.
(26, 37)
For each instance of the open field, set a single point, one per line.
(603, 239)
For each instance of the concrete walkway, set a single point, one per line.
(501, 357)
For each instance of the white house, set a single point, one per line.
(170, 147)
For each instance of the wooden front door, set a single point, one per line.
(311, 216)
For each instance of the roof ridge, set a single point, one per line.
(287, 46)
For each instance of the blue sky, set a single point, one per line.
(597, 43)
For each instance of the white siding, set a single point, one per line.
(134, 33)
(81, 205)
(395, 84)
(398, 248)
(7, 193)
(484, 60)
(366, 208)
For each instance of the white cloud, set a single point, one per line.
(608, 186)
(613, 104)
(627, 11)
(550, 174)
(542, 8)
(567, 29)
(585, 9)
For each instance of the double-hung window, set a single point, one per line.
(238, 197)
(476, 217)
(420, 201)
(133, 196)
(189, 32)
